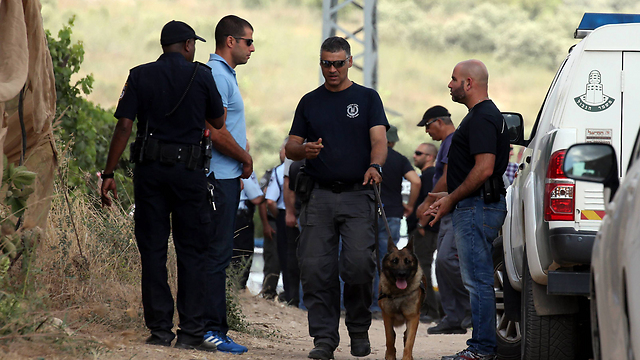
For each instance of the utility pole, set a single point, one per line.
(366, 35)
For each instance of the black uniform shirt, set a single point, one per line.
(391, 191)
(426, 181)
(154, 89)
(482, 131)
(343, 120)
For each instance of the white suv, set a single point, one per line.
(542, 274)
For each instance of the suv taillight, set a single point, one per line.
(559, 202)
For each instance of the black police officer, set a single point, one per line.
(171, 98)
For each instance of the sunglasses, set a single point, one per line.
(336, 64)
(430, 122)
(420, 153)
(248, 41)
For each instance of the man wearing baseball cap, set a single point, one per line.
(454, 297)
(171, 99)
(176, 32)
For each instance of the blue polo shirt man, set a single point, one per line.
(223, 166)
(229, 163)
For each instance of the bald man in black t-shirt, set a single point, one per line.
(478, 157)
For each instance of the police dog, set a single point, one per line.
(402, 291)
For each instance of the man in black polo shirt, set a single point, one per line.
(478, 157)
(171, 98)
(344, 126)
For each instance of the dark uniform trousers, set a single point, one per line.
(172, 198)
(293, 293)
(271, 269)
(325, 218)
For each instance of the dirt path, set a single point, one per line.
(296, 343)
(289, 340)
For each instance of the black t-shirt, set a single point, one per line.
(482, 131)
(391, 191)
(342, 119)
(426, 180)
(154, 89)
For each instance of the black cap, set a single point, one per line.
(433, 112)
(177, 31)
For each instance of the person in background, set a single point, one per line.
(425, 239)
(271, 269)
(512, 167)
(244, 241)
(276, 206)
(292, 204)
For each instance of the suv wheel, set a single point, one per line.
(550, 337)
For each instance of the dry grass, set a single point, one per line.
(62, 295)
(77, 294)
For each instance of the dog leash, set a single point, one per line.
(386, 224)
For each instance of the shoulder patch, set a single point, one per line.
(124, 90)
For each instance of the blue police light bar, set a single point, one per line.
(591, 21)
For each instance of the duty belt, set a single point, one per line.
(170, 154)
(338, 187)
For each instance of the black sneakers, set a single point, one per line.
(203, 346)
(444, 328)
(156, 340)
(322, 351)
(360, 345)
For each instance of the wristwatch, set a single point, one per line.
(377, 167)
(106, 176)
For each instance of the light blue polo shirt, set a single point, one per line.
(251, 190)
(223, 166)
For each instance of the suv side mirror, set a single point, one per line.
(594, 163)
(515, 127)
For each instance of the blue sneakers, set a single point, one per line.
(224, 343)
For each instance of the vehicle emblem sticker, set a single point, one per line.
(594, 100)
(352, 110)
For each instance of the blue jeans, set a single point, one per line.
(227, 197)
(383, 239)
(475, 226)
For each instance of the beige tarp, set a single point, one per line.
(25, 58)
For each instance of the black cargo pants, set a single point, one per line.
(326, 218)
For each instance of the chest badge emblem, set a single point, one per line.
(594, 100)
(352, 110)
